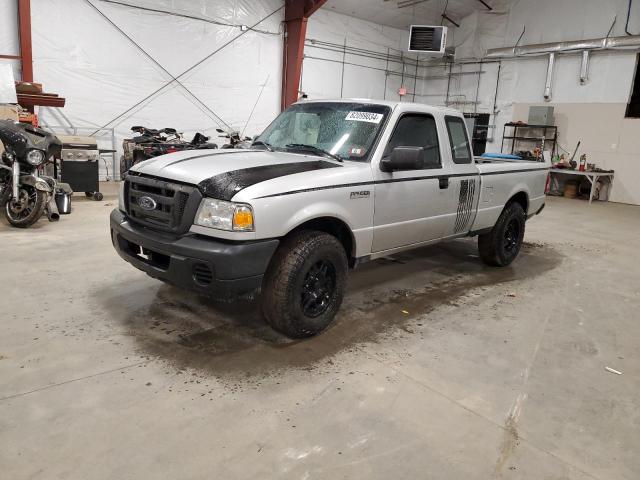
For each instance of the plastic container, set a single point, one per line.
(63, 202)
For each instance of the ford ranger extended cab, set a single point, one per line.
(328, 185)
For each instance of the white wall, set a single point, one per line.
(325, 79)
(522, 81)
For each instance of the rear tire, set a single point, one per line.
(502, 244)
(28, 209)
(304, 285)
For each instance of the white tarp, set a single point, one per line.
(102, 74)
(7, 85)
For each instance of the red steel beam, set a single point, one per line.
(29, 101)
(24, 23)
(296, 14)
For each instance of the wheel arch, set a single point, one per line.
(520, 197)
(333, 226)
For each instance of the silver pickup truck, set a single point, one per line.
(328, 185)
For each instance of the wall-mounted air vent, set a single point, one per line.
(426, 39)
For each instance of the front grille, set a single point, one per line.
(169, 206)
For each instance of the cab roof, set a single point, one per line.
(388, 103)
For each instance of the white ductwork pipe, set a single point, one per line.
(584, 67)
(549, 83)
(610, 43)
(631, 42)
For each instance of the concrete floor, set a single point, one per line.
(437, 367)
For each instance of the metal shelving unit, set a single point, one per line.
(523, 133)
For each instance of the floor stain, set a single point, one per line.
(385, 298)
(510, 441)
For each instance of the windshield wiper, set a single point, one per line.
(260, 143)
(312, 148)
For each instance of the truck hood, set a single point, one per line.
(195, 166)
(224, 173)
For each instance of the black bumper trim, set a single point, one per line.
(236, 268)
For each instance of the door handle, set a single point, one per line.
(443, 182)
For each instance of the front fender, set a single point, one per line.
(357, 217)
(35, 182)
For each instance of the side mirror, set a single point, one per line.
(403, 158)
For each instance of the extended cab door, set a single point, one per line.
(460, 204)
(408, 203)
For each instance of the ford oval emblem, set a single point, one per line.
(147, 203)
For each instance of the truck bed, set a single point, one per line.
(500, 180)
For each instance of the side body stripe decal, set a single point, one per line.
(396, 180)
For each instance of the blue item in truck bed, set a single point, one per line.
(503, 156)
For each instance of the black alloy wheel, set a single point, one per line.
(501, 245)
(304, 285)
(318, 288)
(511, 235)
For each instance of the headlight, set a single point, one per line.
(121, 197)
(225, 215)
(35, 157)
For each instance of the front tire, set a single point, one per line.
(27, 209)
(502, 244)
(304, 284)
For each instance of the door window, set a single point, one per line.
(416, 130)
(458, 140)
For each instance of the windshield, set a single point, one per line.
(345, 130)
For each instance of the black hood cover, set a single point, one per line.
(226, 185)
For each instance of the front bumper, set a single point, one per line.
(211, 267)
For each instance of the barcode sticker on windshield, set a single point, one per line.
(364, 117)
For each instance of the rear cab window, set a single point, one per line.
(458, 140)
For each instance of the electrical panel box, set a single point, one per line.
(541, 116)
(427, 39)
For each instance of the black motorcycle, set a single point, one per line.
(25, 195)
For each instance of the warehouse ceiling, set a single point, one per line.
(402, 13)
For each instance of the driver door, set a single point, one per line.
(408, 203)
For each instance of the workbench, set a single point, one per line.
(593, 178)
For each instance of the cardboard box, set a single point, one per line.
(8, 112)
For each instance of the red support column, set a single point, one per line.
(24, 22)
(296, 15)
